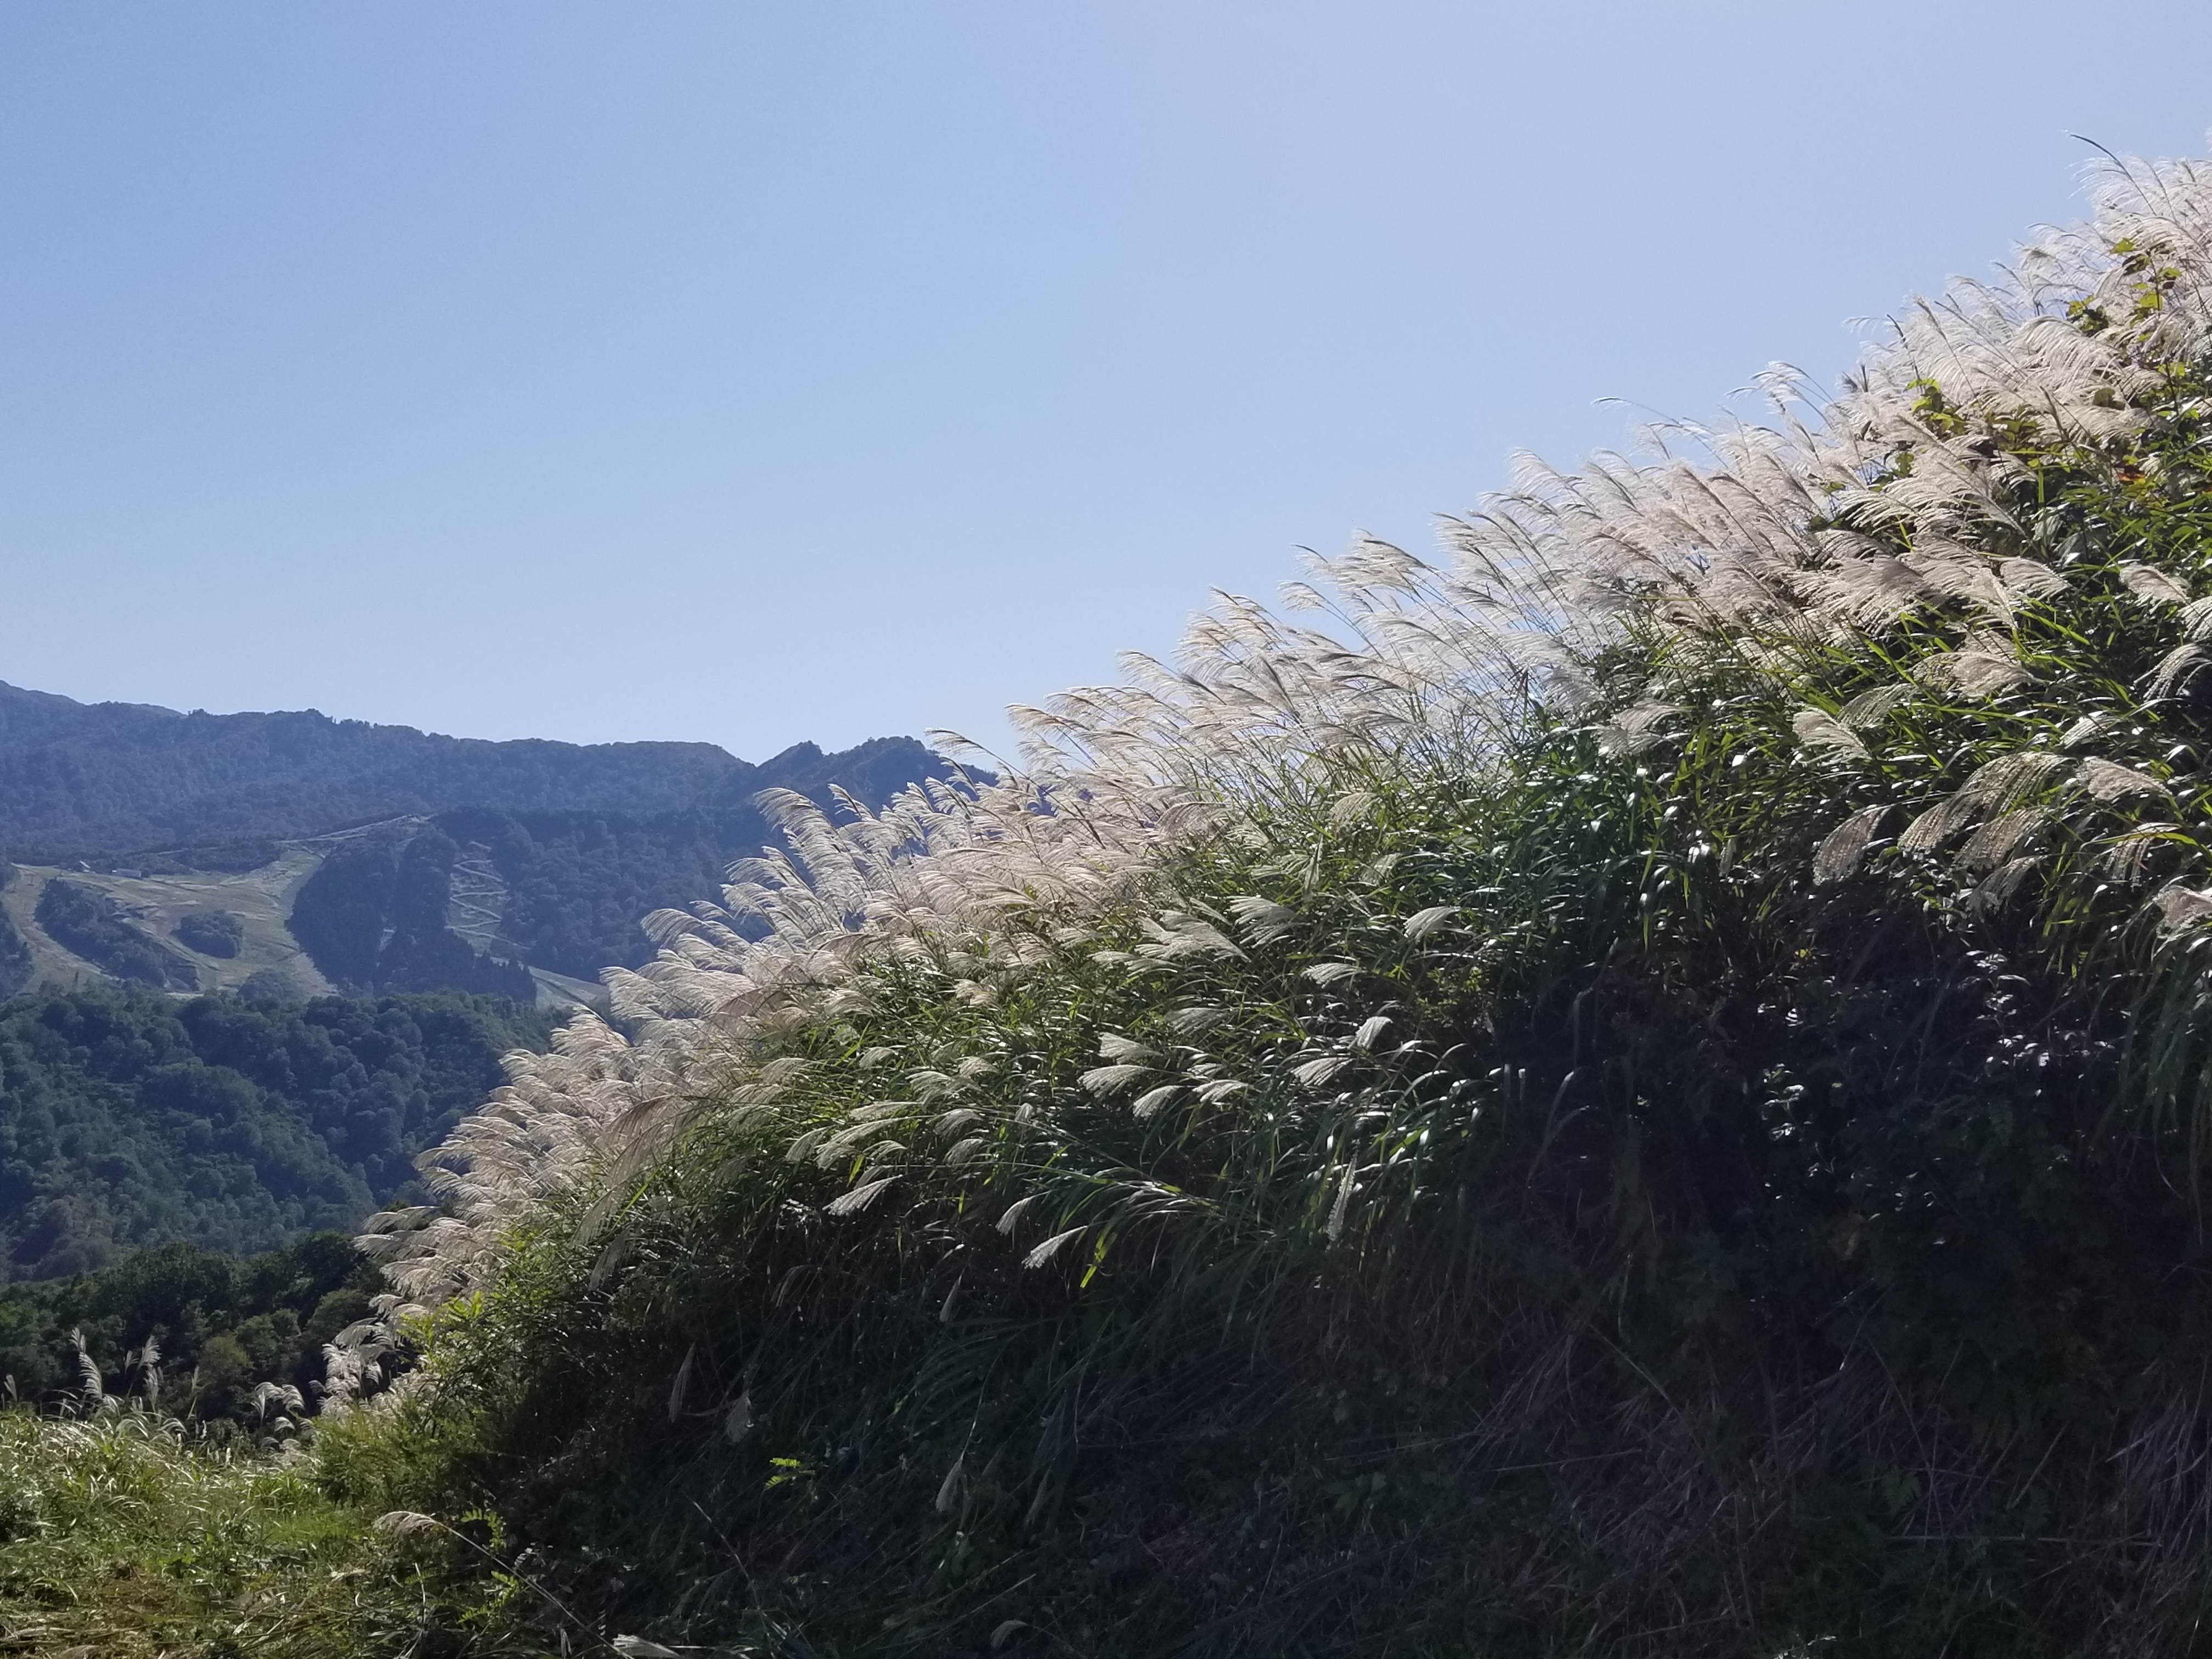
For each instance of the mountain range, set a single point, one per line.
(250, 965)
(197, 851)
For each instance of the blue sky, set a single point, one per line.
(752, 373)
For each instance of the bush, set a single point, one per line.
(211, 933)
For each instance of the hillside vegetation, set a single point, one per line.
(560, 848)
(188, 1332)
(88, 780)
(90, 923)
(1639, 1092)
(130, 1119)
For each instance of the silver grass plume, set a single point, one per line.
(1714, 544)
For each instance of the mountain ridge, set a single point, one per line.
(559, 849)
(79, 780)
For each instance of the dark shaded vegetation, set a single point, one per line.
(1723, 1242)
(15, 949)
(129, 1119)
(92, 924)
(211, 933)
(577, 884)
(220, 1325)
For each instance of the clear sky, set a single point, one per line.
(757, 372)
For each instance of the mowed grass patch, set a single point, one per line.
(122, 1536)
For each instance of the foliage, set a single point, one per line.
(93, 926)
(106, 777)
(578, 884)
(373, 917)
(1644, 1094)
(585, 840)
(14, 957)
(219, 1324)
(211, 933)
(129, 1119)
(137, 1536)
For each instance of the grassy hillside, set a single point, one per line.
(129, 1118)
(154, 903)
(1640, 1092)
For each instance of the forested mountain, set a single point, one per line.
(397, 860)
(14, 954)
(130, 1119)
(82, 779)
(284, 855)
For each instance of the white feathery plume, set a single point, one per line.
(1720, 533)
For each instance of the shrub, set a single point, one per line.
(211, 933)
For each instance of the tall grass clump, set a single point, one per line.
(1640, 1089)
(128, 1534)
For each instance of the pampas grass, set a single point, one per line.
(1515, 1063)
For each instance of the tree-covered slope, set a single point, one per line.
(14, 953)
(80, 780)
(579, 842)
(220, 1325)
(1642, 1091)
(129, 1119)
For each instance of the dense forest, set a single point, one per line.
(577, 888)
(219, 1324)
(78, 778)
(131, 1119)
(373, 918)
(14, 953)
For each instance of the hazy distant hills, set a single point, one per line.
(80, 779)
(197, 851)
